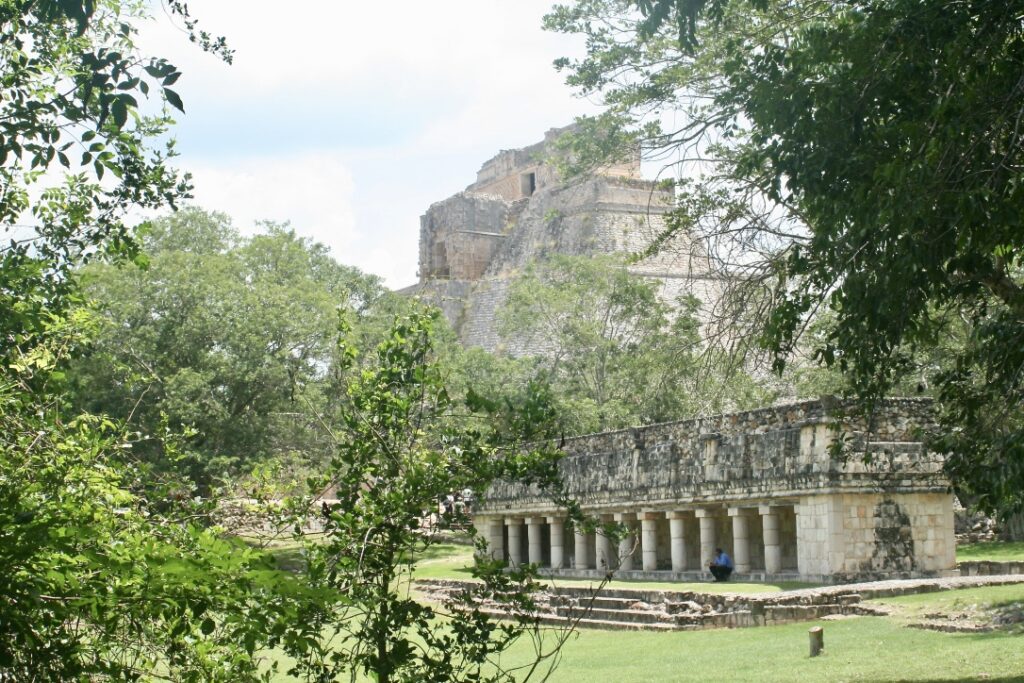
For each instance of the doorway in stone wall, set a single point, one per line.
(528, 184)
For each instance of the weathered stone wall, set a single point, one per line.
(859, 535)
(519, 212)
(448, 295)
(465, 214)
(505, 174)
(469, 253)
(884, 510)
(480, 324)
(768, 453)
(596, 216)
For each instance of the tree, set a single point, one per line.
(404, 443)
(97, 582)
(616, 354)
(72, 79)
(881, 139)
(231, 337)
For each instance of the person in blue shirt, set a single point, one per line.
(721, 565)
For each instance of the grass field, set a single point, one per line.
(856, 649)
(994, 551)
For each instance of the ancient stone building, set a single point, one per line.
(474, 244)
(761, 484)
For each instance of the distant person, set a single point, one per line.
(721, 565)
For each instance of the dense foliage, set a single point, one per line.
(863, 157)
(613, 351)
(108, 569)
(97, 582)
(231, 337)
(403, 444)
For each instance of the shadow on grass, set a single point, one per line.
(464, 572)
(996, 634)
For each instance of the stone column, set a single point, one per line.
(603, 546)
(496, 542)
(515, 540)
(581, 551)
(535, 546)
(675, 523)
(740, 540)
(557, 542)
(627, 542)
(707, 537)
(649, 540)
(770, 531)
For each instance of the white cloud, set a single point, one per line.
(325, 45)
(381, 109)
(316, 194)
(312, 191)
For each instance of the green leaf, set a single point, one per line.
(119, 111)
(174, 100)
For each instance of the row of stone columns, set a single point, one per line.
(606, 558)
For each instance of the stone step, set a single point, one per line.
(989, 568)
(625, 625)
(615, 615)
(602, 624)
(626, 594)
(600, 602)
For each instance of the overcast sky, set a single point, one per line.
(349, 119)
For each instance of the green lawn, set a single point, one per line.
(987, 596)
(856, 649)
(445, 561)
(993, 551)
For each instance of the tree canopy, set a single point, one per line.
(615, 353)
(870, 151)
(96, 583)
(232, 337)
(405, 440)
(106, 573)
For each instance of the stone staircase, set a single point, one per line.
(634, 610)
(651, 610)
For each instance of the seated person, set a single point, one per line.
(721, 565)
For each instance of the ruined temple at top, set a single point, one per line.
(475, 243)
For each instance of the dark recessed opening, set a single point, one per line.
(528, 183)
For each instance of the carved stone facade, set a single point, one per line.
(475, 243)
(763, 484)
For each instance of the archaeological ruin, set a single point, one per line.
(762, 484)
(475, 243)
